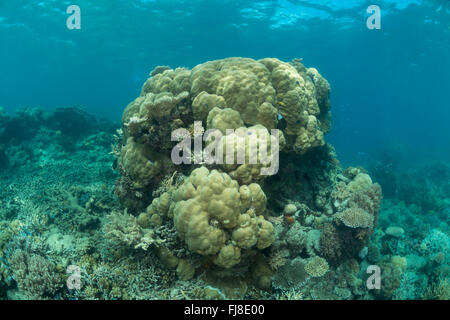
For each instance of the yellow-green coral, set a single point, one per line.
(174, 81)
(140, 113)
(204, 103)
(223, 119)
(155, 211)
(218, 210)
(360, 181)
(298, 104)
(243, 83)
(160, 105)
(249, 155)
(140, 162)
(262, 90)
(225, 94)
(211, 218)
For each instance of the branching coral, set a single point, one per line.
(36, 276)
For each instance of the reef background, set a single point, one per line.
(389, 85)
(389, 109)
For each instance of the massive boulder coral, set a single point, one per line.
(229, 219)
(253, 142)
(298, 104)
(268, 93)
(140, 161)
(243, 83)
(217, 217)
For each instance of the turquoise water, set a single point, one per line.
(389, 85)
(63, 93)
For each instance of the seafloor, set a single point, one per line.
(74, 224)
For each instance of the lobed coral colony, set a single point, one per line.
(156, 218)
(305, 224)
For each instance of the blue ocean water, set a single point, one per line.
(389, 86)
(63, 93)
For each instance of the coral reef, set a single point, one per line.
(119, 214)
(228, 215)
(36, 277)
(413, 225)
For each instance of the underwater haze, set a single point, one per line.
(367, 184)
(389, 86)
